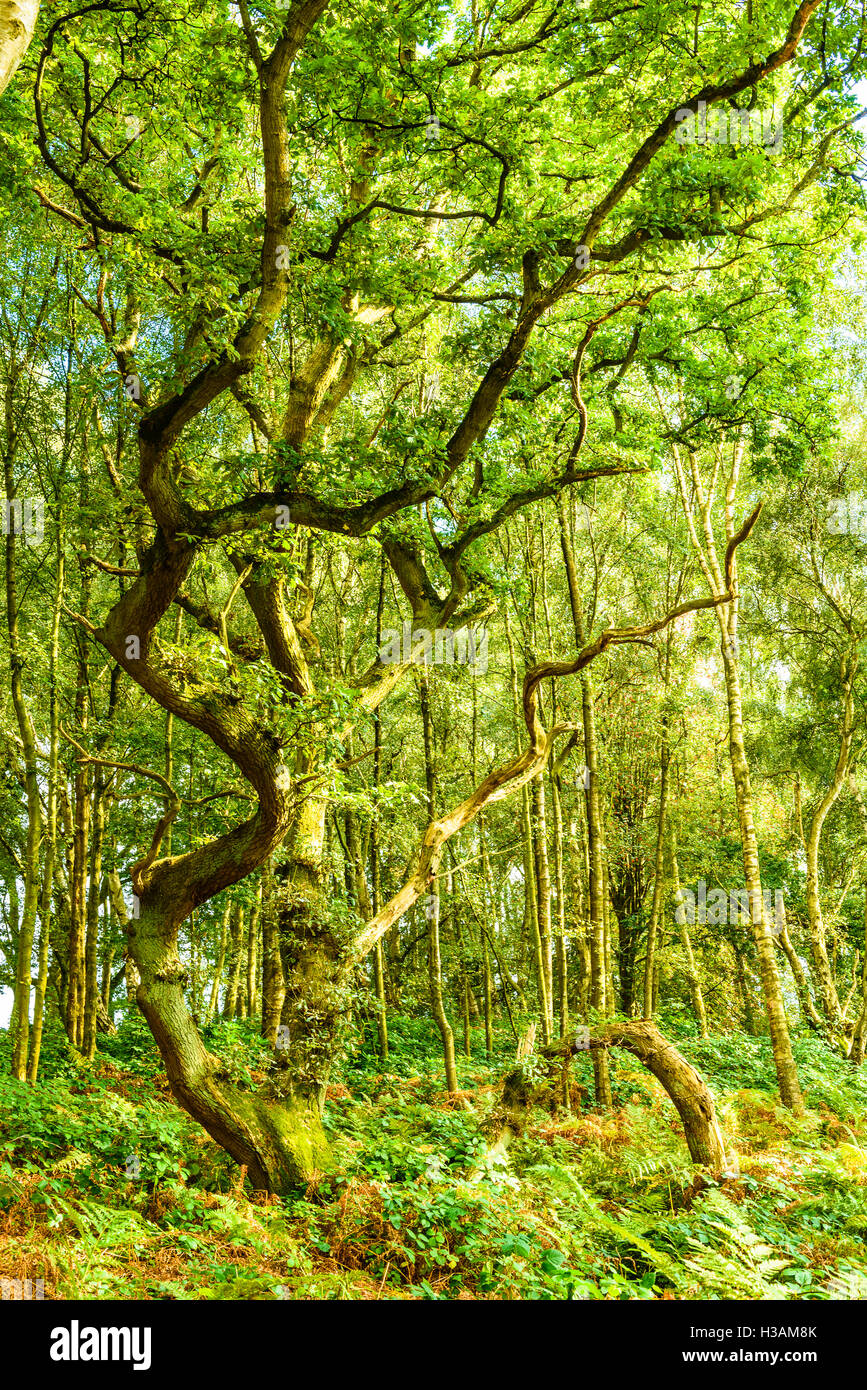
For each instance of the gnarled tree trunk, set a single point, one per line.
(277, 1131)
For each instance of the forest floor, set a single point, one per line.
(108, 1190)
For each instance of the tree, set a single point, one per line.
(335, 225)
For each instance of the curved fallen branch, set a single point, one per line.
(687, 1090)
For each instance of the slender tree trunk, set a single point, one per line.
(611, 945)
(273, 987)
(378, 953)
(579, 881)
(727, 617)
(680, 917)
(253, 942)
(78, 905)
(221, 961)
(379, 975)
(802, 984)
(859, 1035)
(595, 830)
(236, 935)
(596, 845)
(435, 971)
(27, 925)
(435, 980)
(784, 1061)
(486, 978)
(818, 944)
(658, 876)
(118, 907)
(82, 784)
(91, 949)
(47, 877)
(543, 896)
(51, 821)
(486, 925)
(532, 932)
(559, 879)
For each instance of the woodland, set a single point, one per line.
(433, 792)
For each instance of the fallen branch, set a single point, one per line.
(687, 1090)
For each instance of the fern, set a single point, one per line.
(659, 1166)
(848, 1283)
(742, 1265)
(72, 1162)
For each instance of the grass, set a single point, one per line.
(108, 1190)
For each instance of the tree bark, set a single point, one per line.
(680, 918)
(542, 876)
(689, 1092)
(46, 901)
(595, 828)
(273, 987)
(818, 943)
(432, 907)
(784, 1061)
(221, 962)
(859, 1034)
(725, 585)
(27, 732)
(236, 939)
(17, 24)
(658, 876)
(559, 879)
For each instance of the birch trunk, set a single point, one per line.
(17, 24)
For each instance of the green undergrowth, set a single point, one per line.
(108, 1190)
